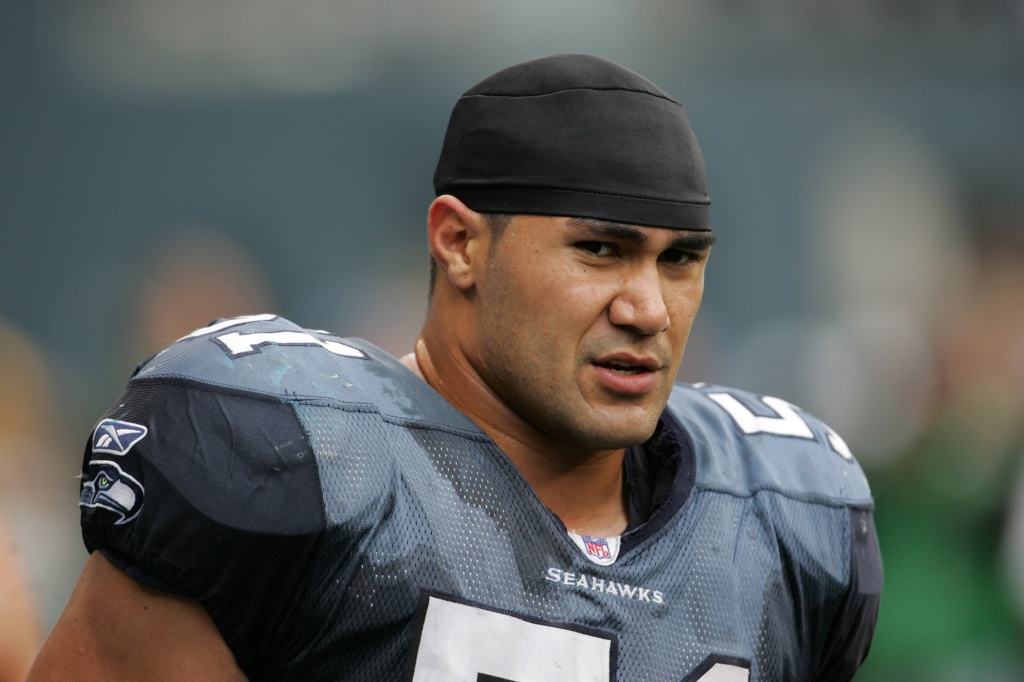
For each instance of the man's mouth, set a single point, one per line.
(623, 368)
(627, 374)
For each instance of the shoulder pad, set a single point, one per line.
(745, 442)
(272, 356)
(194, 487)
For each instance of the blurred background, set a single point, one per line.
(166, 163)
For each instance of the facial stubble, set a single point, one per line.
(515, 362)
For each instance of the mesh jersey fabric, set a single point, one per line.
(326, 507)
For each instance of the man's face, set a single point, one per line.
(582, 324)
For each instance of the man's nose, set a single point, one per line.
(640, 305)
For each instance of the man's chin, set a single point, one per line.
(612, 431)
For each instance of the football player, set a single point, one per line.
(527, 496)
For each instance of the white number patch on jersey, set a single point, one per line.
(231, 322)
(462, 642)
(717, 668)
(787, 422)
(723, 672)
(237, 343)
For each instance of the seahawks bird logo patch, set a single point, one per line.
(116, 437)
(106, 486)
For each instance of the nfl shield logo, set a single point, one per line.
(600, 551)
(597, 547)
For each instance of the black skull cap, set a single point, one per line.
(575, 135)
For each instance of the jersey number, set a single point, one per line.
(237, 343)
(786, 422)
(466, 643)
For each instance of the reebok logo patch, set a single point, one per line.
(116, 437)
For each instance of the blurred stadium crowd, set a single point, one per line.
(165, 164)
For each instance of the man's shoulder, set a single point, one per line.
(231, 454)
(265, 355)
(269, 357)
(746, 442)
(234, 420)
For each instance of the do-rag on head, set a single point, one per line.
(574, 135)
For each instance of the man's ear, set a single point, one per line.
(456, 234)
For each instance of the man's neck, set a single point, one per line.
(585, 489)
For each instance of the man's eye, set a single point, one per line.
(677, 256)
(597, 248)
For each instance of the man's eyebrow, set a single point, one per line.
(689, 240)
(694, 241)
(607, 228)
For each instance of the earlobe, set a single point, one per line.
(453, 232)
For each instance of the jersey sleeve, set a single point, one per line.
(214, 494)
(755, 445)
(853, 626)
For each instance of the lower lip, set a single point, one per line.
(630, 384)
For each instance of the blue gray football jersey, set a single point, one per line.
(340, 520)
